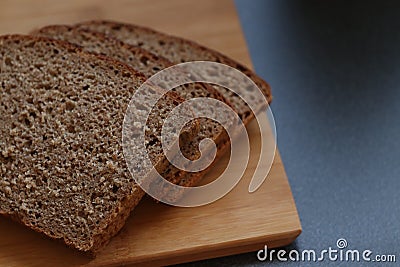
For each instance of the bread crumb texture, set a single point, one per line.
(62, 167)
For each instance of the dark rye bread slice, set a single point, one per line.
(148, 64)
(62, 170)
(179, 50)
(95, 42)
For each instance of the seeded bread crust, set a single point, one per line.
(54, 185)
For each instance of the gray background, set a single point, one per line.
(334, 67)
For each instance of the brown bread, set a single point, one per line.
(62, 168)
(149, 64)
(179, 50)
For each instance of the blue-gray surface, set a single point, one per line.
(334, 67)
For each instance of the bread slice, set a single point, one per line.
(61, 163)
(95, 42)
(179, 50)
(148, 64)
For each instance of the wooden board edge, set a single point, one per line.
(210, 252)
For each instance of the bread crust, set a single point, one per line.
(264, 86)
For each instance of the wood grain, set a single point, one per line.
(157, 234)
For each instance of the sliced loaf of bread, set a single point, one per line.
(62, 167)
(179, 50)
(149, 64)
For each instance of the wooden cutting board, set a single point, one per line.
(157, 234)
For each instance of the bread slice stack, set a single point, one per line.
(149, 64)
(63, 95)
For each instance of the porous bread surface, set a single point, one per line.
(95, 42)
(179, 50)
(148, 64)
(62, 167)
